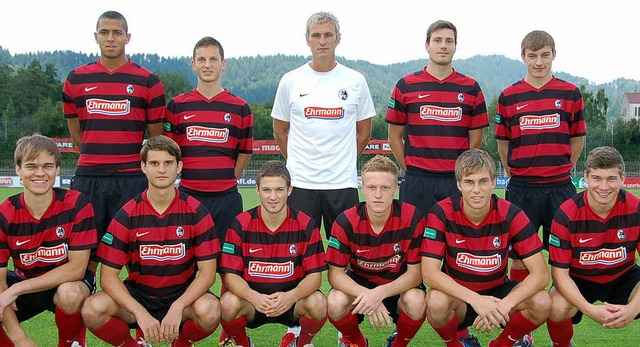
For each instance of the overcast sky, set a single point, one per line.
(595, 40)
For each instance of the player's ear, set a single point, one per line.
(289, 190)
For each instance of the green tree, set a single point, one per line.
(489, 142)
(262, 121)
(175, 83)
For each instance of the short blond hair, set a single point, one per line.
(473, 161)
(380, 163)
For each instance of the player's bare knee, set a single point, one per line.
(70, 296)
(230, 305)
(207, 311)
(338, 304)
(413, 302)
(538, 307)
(439, 307)
(561, 309)
(316, 305)
(94, 311)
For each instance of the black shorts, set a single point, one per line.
(539, 203)
(108, 194)
(499, 292)
(156, 306)
(32, 304)
(615, 292)
(323, 205)
(391, 303)
(287, 319)
(423, 190)
(223, 207)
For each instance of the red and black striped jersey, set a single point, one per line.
(113, 108)
(378, 258)
(160, 251)
(437, 116)
(40, 245)
(211, 134)
(538, 123)
(594, 248)
(477, 256)
(272, 261)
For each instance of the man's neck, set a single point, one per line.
(115, 63)
(439, 71)
(161, 198)
(475, 216)
(323, 65)
(274, 220)
(209, 89)
(538, 82)
(38, 204)
(378, 220)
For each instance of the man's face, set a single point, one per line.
(161, 169)
(379, 189)
(112, 37)
(441, 47)
(539, 62)
(208, 63)
(323, 40)
(273, 193)
(39, 174)
(603, 186)
(476, 191)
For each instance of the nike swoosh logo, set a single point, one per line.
(20, 243)
(253, 250)
(459, 241)
(141, 234)
(303, 95)
(511, 338)
(362, 250)
(519, 107)
(189, 117)
(422, 96)
(88, 89)
(585, 240)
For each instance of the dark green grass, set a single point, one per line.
(588, 333)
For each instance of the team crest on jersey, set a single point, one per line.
(496, 242)
(558, 103)
(227, 117)
(108, 107)
(342, 94)
(60, 232)
(621, 235)
(323, 112)
(293, 249)
(540, 122)
(444, 114)
(270, 270)
(200, 133)
(460, 97)
(162, 252)
(479, 263)
(180, 231)
(380, 265)
(396, 248)
(130, 89)
(603, 256)
(45, 254)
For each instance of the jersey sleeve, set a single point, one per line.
(113, 249)
(231, 258)
(246, 140)
(5, 251)
(156, 103)
(577, 124)
(207, 244)
(83, 233)
(338, 248)
(523, 238)
(313, 260)
(433, 238)
(479, 116)
(366, 108)
(419, 226)
(171, 122)
(560, 250)
(68, 99)
(281, 109)
(397, 109)
(502, 131)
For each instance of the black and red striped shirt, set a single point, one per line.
(476, 256)
(211, 133)
(40, 245)
(594, 248)
(438, 115)
(113, 108)
(382, 257)
(538, 123)
(160, 251)
(272, 261)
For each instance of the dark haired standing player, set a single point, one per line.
(272, 263)
(49, 234)
(378, 241)
(471, 234)
(592, 252)
(165, 240)
(540, 129)
(108, 105)
(214, 131)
